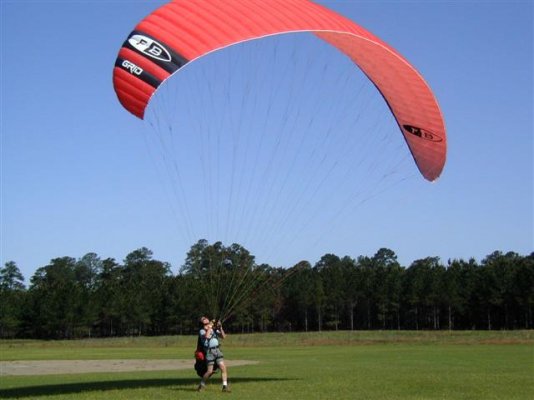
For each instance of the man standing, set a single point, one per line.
(209, 336)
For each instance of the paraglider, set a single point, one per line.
(184, 33)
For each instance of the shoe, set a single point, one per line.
(226, 389)
(200, 388)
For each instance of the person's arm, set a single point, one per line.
(205, 335)
(221, 330)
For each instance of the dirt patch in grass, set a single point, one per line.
(54, 367)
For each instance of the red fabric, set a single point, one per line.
(199, 355)
(194, 27)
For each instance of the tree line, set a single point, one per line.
(95, 297)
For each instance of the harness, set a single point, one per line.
(215, 335)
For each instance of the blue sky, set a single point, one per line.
(77, 176)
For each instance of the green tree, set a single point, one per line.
(367, 283)
(228, 277)
(390, 286)
(143, 282)
(350, 288)
(331, 274)
(107, 297)
(186, 303)
(56, 299)
(86, 273)
(458, 292)
(524, 290)
(10, 277)
(384, 285)
(422, 291)
(498, 278)
(12, 297)
(299, 294)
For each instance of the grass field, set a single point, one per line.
(328, 365)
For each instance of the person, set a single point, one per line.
(209, 335)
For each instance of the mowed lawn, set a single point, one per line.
(328, 365)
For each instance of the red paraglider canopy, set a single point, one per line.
(184, 30)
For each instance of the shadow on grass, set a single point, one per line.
(184, 384)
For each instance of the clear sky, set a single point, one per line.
(76, 176)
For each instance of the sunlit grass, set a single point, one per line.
(328, 365)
